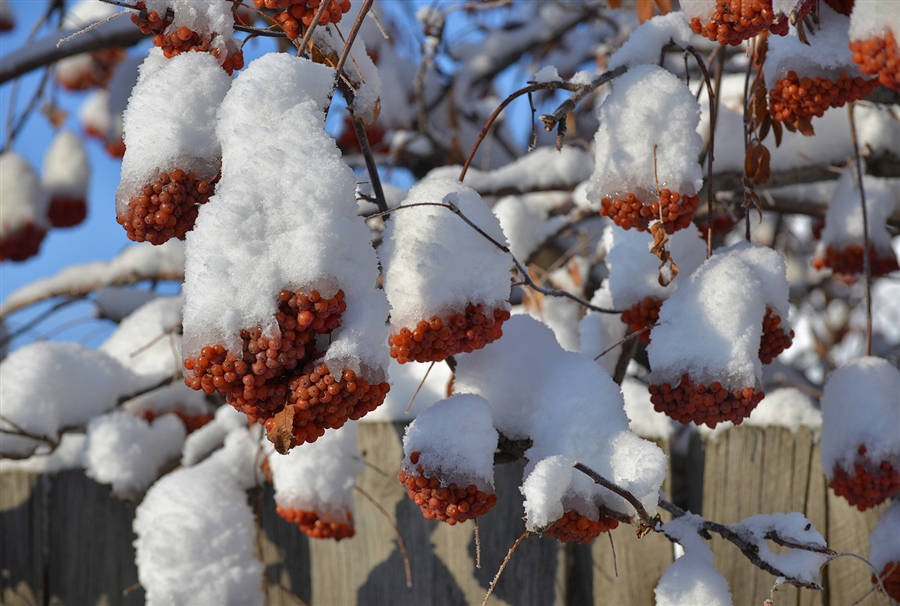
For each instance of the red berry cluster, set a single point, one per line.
(642, 314)
(774, 340)
(879, 56)
(184, 39)
(575, 527)
(297, 12)
(149, 21)
(103, 63)
(316, 527)
(191, 422)
(270, 373)
(22, 243)
(890, 580)
(66, 212)
(166, 208)
(699, 403)
(115, 149)
(870, 484)
(844, 7)
(796, 98)
(324, 401)
(437, 339)
(676, 210)
(734, 21)
(849, 260)
(446, 503)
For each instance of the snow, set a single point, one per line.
(524, 229)
(267, 184)
(202, 16)
(118, 302)
(170, 121)
(643, 419)
(843, 219)
(94, 114)
(786, 407)
(361, 72)
(129, 452)
(860, 407)
(147, 341)
(874, 19)
(563, 316)
(645, 43)
(196, 540)
(647, 107)
(885, 538)
(66, 169)
(795, 563)
(201, 443)
(435, 263)
(548, 73)
(692, 578)
(456, 441)
(827, 54)
(320, 476)
(87, 12)
(771, 269)
(600, 331)
(545, 168)
(69, 454)
(24, 199)
(86, 382)
(549, 478)
(135, 263)
(634, 270)
(405, 380)
(176, 397)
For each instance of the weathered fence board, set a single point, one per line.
(64, 538)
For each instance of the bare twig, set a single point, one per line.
(90, 27)
(626, 339)
(155, 340)
(18, 430)
(390, 520)
(277, 582)
(867, 260)
(645, 519)
(713, 109)
(522, 537)
(353, 33)
(304, 43)
(477, 545)
(419, 388)
(580, 92)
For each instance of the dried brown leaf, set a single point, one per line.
(54, 114)
(763, 170)
(665, 278)
(764, 126)
(282, 433)
(659, 239)
(804, 126)
(614, 3)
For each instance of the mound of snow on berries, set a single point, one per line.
(844, 220)
(860, 407)
(645, 43)
(23, 196)
(66, 168)
(692, 578)
(800, 564)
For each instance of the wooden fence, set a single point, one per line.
(66, 541)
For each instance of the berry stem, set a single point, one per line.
(390, 520)
(487, 597)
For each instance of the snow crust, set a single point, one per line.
(692, 578)
(405, 380)
(196, 540)
(643, 419)
(826, 55)
(634, 270)
(129, 452)
(85, 383)
(252, 245)
(600, 331)
(170, 120)
(524, 229)
(203, 442)
(456, 441)
(647, 107)
(844, 219)
(711, 326)
(22, 196)
(67, 172)
(799, 564)
(874, 19)
(147, 341)
(119, 302)
(885, 538)
(320, 476)
(860, 406)
(646, 41)
(435, 263)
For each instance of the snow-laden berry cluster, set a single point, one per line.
(25, 203)
(874, 28)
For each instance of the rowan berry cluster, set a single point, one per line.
(191, 422)
(66, 212)
(674, 209)
(184, 40)
(436, 339)
(99, 71)
(166, 208)
(890, 580)
(870, 482)
(734, 21)
(573, 526)
(312, 525)
(441, 501)
(796, 97)
(302, 12)
(150, 22)
(704, 404)
(22, 243)
(641, 315)
(849, 260)
(879, 56)
(774, 339)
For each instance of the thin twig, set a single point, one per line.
(626, 339)
(32, 103)
(419, 388)
(18, 430)
(487, 597)
(477, 545)
(645, 518)
(277, 582)
(751, 51)
(155, 340)
(867, 260)
(371, 165)
(89, 28)
(352, 35)
(580, 92)
(713, 108)
(613, 547)
(390, 520)
(307, 36)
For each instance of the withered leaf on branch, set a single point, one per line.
(659, 249)
(804, 126)
(282, 434)
(756, 163)
(776, 130)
